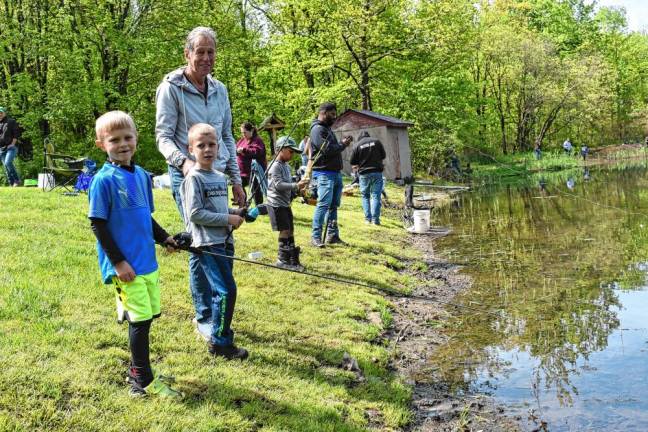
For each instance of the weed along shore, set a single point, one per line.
(322, 354)
(416, 333)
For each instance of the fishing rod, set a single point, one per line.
(183, 241)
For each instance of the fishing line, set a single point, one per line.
(182, 240)
(601, 205)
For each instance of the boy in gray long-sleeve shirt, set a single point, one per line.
(280, 194)
(210, 223)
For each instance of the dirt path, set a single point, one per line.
(435, 408)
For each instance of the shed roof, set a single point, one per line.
(371, 118)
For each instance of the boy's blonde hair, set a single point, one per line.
(200, 129)
(114, 120)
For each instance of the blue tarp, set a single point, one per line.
(89, 170)
(259, 173)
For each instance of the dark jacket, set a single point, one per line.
(368, 154)
(329, 159)
(253, 149)
(8, 131)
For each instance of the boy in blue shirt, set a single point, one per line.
(121, 204)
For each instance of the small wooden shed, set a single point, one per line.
(392, 132)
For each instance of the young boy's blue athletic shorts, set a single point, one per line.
(138, 300)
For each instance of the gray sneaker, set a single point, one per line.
(335, 239)
(317, 243)
(204, 330)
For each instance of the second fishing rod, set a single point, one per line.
(183, 241)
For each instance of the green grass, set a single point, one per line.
(63, 357)
(524, 164)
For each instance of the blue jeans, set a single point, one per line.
(371, 186)
(176, 177)
(329, 194)
(199, 284)
(217, 271)
(7, 156)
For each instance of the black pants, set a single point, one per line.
(254, 188)
(138, 341)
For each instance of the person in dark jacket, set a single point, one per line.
(326, 153)
(9, 135)
(368, 156)
(250, 147)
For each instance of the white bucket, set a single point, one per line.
(421, 221)
(46, 181)
(162, 181)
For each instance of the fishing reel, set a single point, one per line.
(309, 193)
(251, 214)
(183, 240)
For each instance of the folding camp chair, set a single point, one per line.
(64, 168)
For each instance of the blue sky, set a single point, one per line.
(637, 12)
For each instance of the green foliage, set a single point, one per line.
(496, 77)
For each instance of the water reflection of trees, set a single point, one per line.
(544, 261)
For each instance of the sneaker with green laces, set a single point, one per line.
(155, 388)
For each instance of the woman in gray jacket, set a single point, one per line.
(187, 96)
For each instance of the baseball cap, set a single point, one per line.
(3, 109)
(286, 141)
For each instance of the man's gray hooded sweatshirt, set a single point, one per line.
(179, 105)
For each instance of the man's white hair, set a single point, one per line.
(196, 33)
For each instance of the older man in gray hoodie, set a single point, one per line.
(187, 96)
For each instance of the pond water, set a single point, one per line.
(557, 328)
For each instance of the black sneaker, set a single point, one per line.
(167, 379)
(155, 388)
(136, 390)
(335, 240)
(230, 352)
(317, 242)
(288, 266)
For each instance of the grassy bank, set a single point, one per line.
(63, 357)
(489, 169)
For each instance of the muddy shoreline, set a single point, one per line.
(434, 407)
